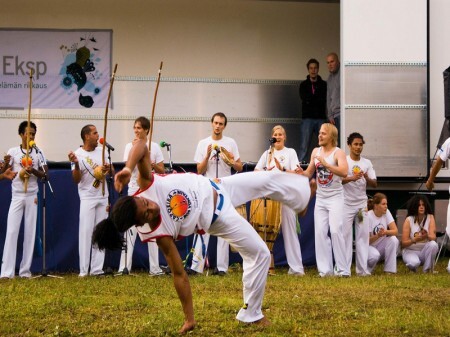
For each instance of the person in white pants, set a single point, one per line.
(330, 164)
(443, 155)
(141, 129)
(382, 235)
(88, 172)
(283, 159)
(23, 201)
(174, 206)
(360, 174)
(419, 235)
(211, 164)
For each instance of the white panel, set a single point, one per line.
(384, 30)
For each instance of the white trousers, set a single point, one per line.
(92, 211)
(328, 217)
(361, 238)
(291, 242)
(426, 256)
(384, 249)
(233, 228)
(20, 206)
(153, 253)
(222, 257)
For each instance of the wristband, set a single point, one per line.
(126, 169)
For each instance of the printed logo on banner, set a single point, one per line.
(79, 70)
(71, 68)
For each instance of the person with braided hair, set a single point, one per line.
(171, 207)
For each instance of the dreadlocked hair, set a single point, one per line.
(108, 233)
(107, 236)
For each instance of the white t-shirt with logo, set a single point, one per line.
(88, 161)
(17, 162)
(287, 158)
(223, 169)
(355, 191)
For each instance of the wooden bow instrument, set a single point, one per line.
(111, 82)
(153, 112)
(27, 155)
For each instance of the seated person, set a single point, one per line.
(383, 243)
(419, 235)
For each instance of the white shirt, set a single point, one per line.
(287, 158)
(328, 183)
(415, 229)
(376, 223)
(355, 191)
(444, 152)
(156, 156)
(186, 205)
(88, 161)
(17, 155)
(223, 169)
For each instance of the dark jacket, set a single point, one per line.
(314, 106)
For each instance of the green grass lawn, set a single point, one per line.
(404, 304)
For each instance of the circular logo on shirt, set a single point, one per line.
(324, 177)
(376, 229)
(178, 205)
(356, 169)
(23, 161)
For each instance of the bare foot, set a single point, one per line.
(187, 326)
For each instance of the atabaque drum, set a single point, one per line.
(265, 217)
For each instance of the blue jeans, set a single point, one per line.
(337, 123)
(307, 128)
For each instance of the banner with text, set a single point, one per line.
(72, 68)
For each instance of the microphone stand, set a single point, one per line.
(169, 149)
(44, 180)
(269, 156)
(109, 183)
(216, 155)
(125, 270)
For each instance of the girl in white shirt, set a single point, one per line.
(419, 235)
(383, 242)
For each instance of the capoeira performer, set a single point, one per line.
(330, 164)
(283, 159)
(23, 202)
(360, 174)
(382, 235)
(443, 155)
(419, 235)
(141, 129)
(174, 206)
(210, 162)
(88, 173)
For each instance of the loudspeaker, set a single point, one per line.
(446, 92)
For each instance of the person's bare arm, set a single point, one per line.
(180, 281)
(434, 171)
(158, 167)
(76, 173)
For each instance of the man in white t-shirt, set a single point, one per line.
(23, 201)
(88, 172)
(141, 129)
(210, 163)
(360, 174)
(443, 155)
